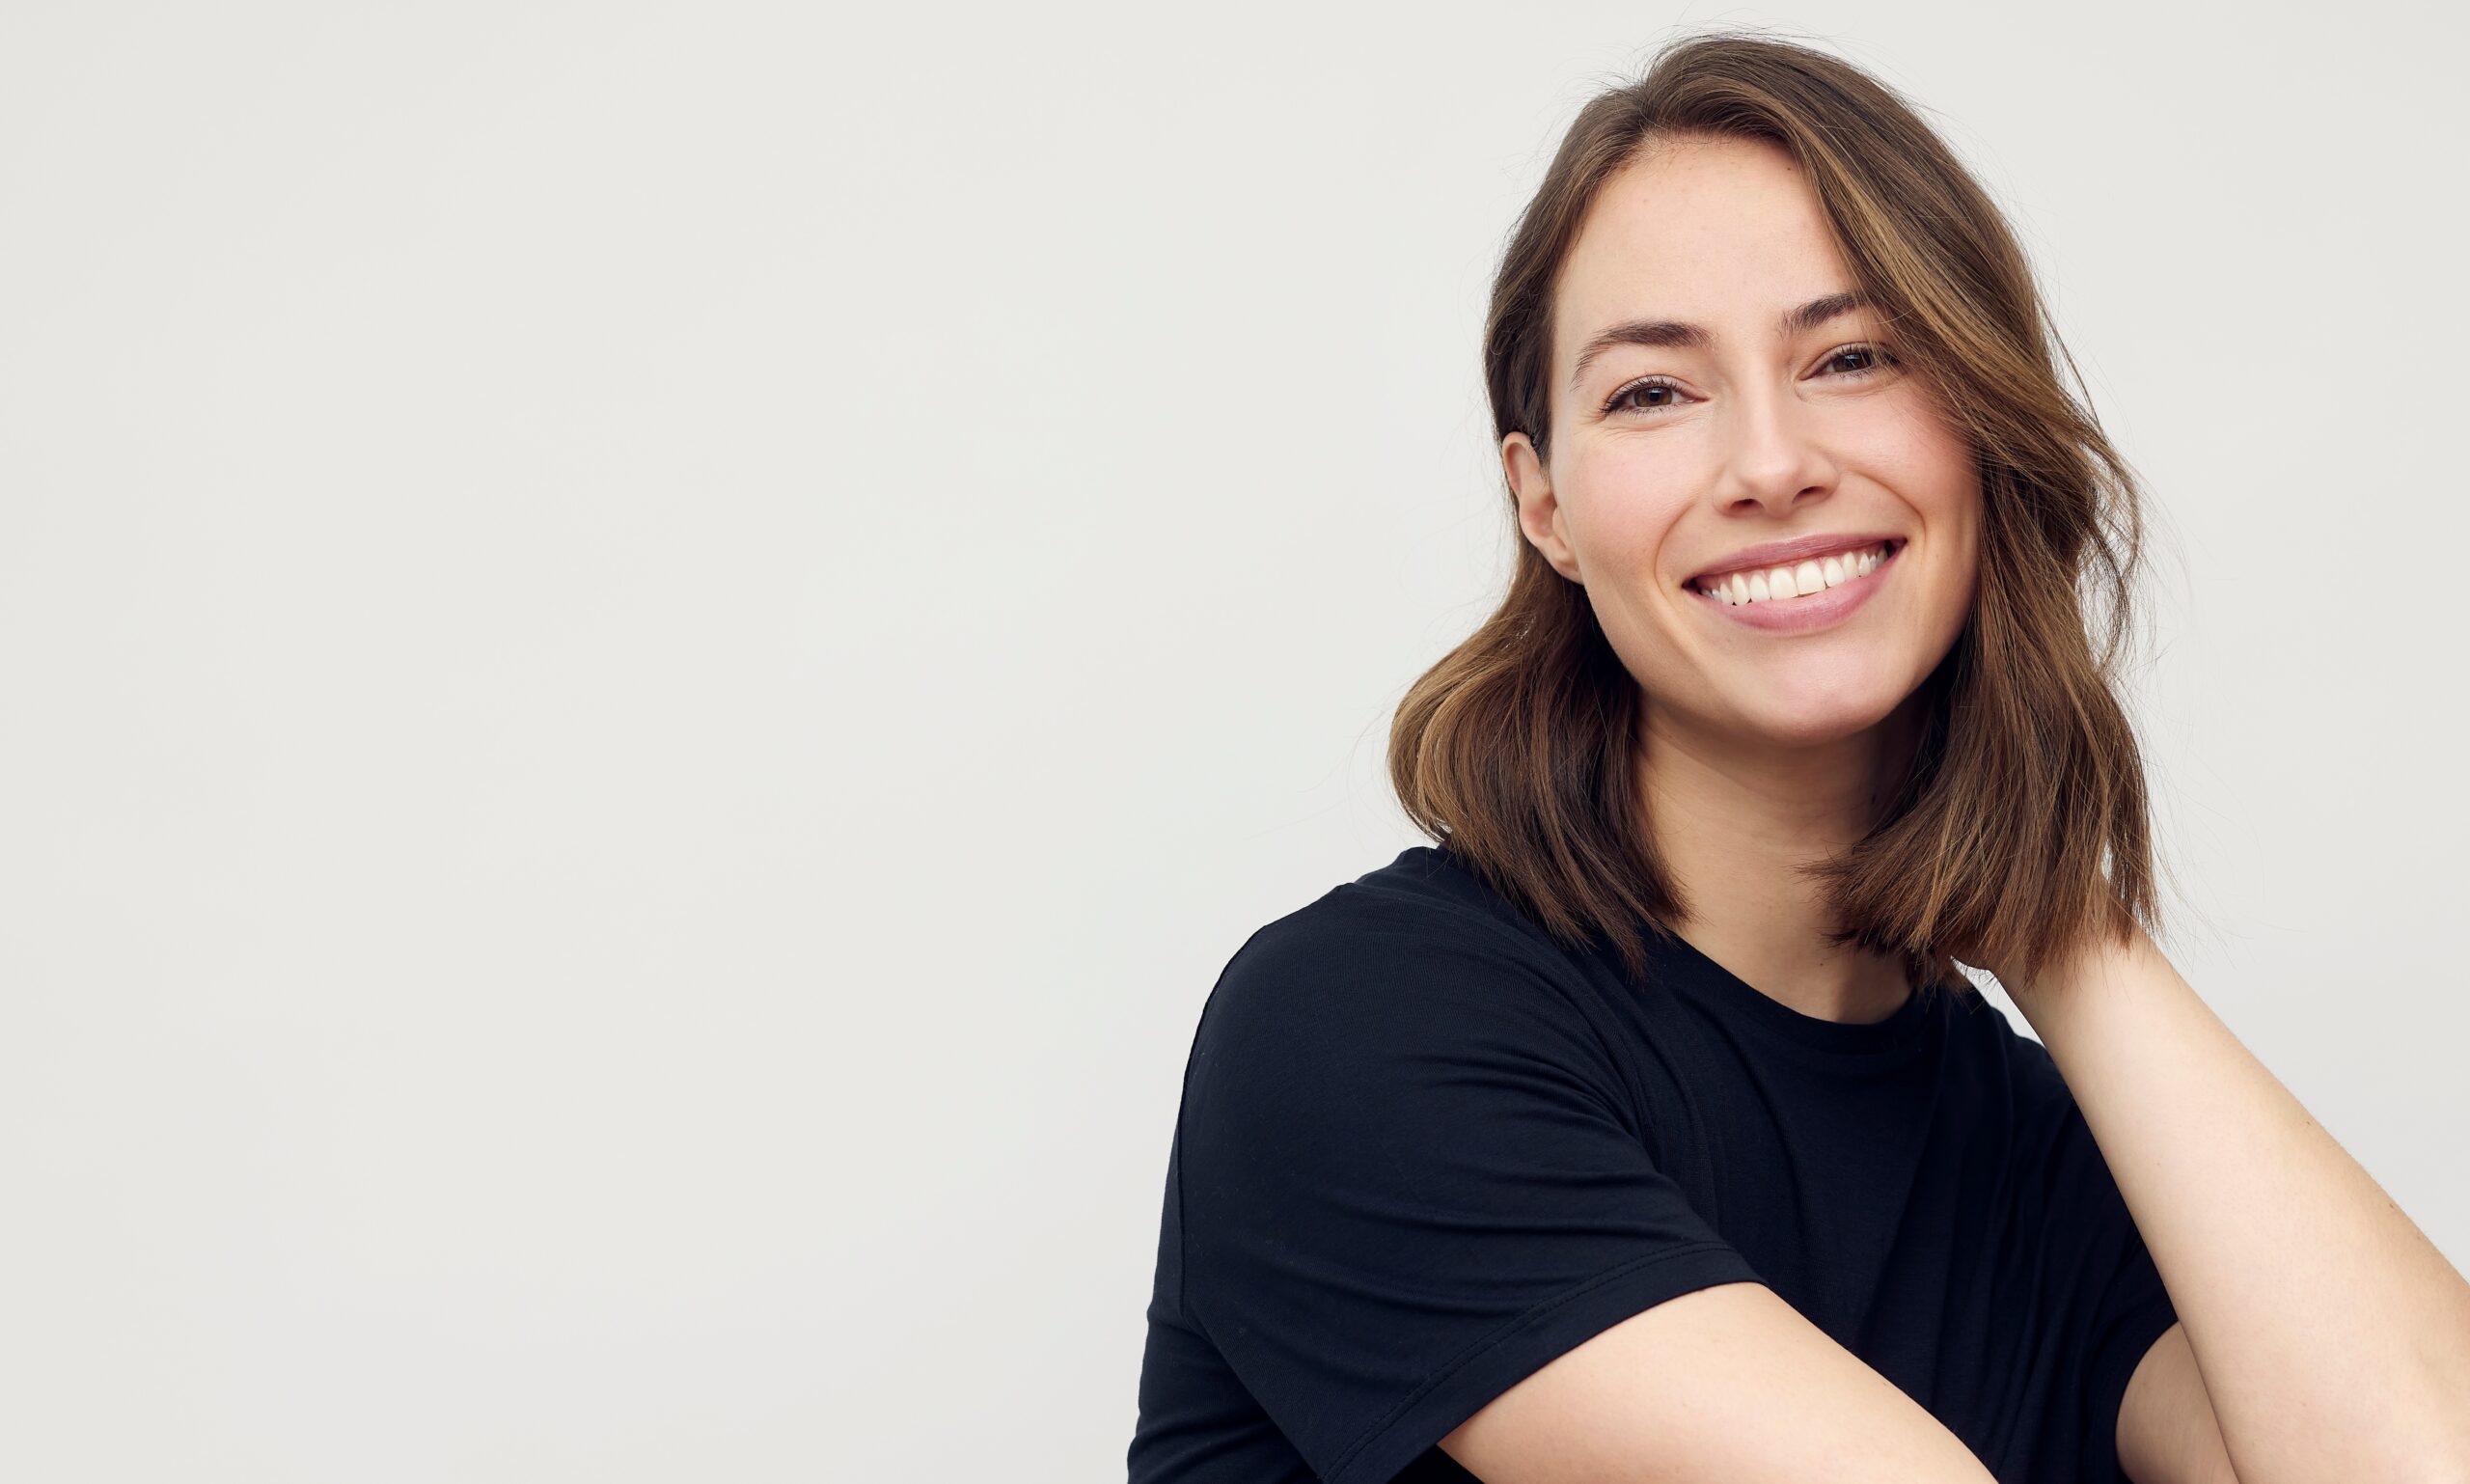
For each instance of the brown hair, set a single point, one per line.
(2020, 825)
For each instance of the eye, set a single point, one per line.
(1640, 388)
(1875, 358)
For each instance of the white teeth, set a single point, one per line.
(1796, 581)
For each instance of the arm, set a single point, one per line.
(2166, 1431)
(2334, 1339)
(1727, 1383)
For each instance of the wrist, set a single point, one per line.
(2087, 970)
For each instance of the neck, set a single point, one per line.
(1731, 823)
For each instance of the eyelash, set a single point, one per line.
(1880, 358)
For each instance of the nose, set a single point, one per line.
(1772, 456)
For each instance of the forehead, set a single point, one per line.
(1722, 231)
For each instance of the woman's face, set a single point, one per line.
(1673, 451)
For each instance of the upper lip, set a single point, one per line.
(1799, 548)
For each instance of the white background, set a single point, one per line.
(649, 654)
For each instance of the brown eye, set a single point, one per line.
(1874, 357)
(1640, 388)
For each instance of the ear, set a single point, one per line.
(1539, 514)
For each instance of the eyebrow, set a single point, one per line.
(1678, 335)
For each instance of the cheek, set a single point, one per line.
(1926, 458)
(1620, 508)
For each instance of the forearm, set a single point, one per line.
(2334, 1338)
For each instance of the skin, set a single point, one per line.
(1762, 750)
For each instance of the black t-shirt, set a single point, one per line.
(1423, 1150)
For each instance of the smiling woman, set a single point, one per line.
(1644, 1126)
(1796, 324)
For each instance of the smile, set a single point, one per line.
(1800, 579)
(1803, 595)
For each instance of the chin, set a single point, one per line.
(1817, 719)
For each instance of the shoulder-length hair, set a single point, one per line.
(2021, 823)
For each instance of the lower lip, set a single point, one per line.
(1800, 614)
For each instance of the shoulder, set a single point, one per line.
(1983, 1035)
(2048, 1145)
(1397, 976)
(2008, 1088)
(1415, 938)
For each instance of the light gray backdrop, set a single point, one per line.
(649, 654)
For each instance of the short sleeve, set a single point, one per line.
(1410, 1179)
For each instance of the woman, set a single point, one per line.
(1645, 1128)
